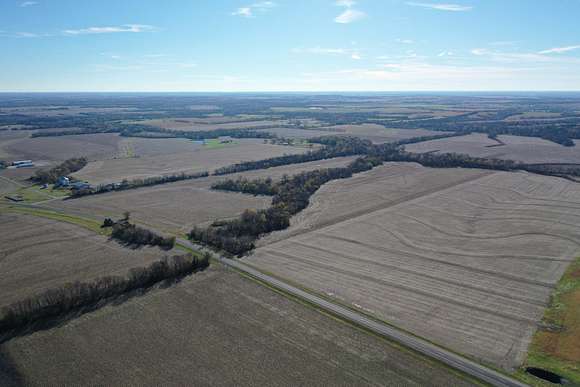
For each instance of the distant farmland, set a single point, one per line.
(176, 207)
(466, 258)
(197, 159)
(526, 149)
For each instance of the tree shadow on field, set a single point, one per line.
(9, 375)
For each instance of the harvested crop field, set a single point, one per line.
(466, 258)
(195, 125)
(7, 185)
(91, 146)
(380, 134)
(38, 253)
(525, 149)
(213, 328)
(176, 207)
(195, 160)
(300, 133)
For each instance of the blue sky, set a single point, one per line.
(289, 45)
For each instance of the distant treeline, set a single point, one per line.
(561, 132)
(137, 183)
(66, 168)
(135, 236)
(36, 311)
(195, 135)
(334, 146)
(252, 187)
(291, 195)
(146, 131)
(73, 132)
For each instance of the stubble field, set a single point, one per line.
(525, 149)
(38, 253)
(195, 125)
(214, 328)
(198, 159)
(468, 260)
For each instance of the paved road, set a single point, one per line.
(451, 359)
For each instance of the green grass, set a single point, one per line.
(559, 351)
(34, 194)
(216, 144)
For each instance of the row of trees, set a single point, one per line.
(137, 183)
(135, 236)
(334, 146)
(67, 167)
(290, 196)
(252, 187)
(138, 130)
(75, 297)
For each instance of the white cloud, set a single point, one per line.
(248, 11)
(519, 57)
(355, 56)
(109, 30)
(559, 50)
(243, 11)
(405, 41)
(442, 6)
(350, 14)
(28, 3)
(445, 53)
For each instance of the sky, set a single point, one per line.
(289, 45)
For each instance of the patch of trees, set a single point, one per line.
(79, 296)
(290, 196)
(135, 236)
(66, 168)
(137, 183)
(252, 187)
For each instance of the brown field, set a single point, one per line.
(524, 149)
(197, 159)
(378, 133)
(533, 116)
(92, 146)
(176, 207)
(55, 111)
(38, 253)
(196, 124)
(301, 133)
(7, 185)
(215, 328)
(466, 258)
